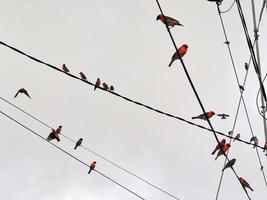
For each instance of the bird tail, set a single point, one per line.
(212, 153)
(171, 63)
(95, 88)
(75, 147)
(194, 117)
(251, 189)
(216, 157)
(89, 171)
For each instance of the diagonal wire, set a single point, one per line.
(93, 152)
(227, 10)
(69, 154)
(197, 96)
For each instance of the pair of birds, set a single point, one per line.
(83, 77)
(209, 115)
(222, 148)
(171, 22)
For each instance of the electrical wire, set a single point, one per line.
(227, 10)
(197, 96)
(91, 151)
(69, 154)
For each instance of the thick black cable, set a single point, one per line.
(250, 46)
(69, 154)
(91, 151)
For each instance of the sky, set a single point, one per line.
(121, 43)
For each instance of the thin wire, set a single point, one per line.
(197, 96)
(69, 154)
(228, 8)
(93, 152)
(243, 101)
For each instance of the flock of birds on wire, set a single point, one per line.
(222, 147)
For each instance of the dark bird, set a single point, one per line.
(92, 167)
(246, 66)
(229, 164)
(237, 137)
(244, 183)
(227, 42)
(97, 83)
(23, 91)
(222, 143)
(65, 69)
(223, 150)
(170, 22)
(241, 88)
(105, 86)
(253, 138)
(230, 133)
(217, 1)
(256, 142)
(52, 136)
(78, 143)
(111, 88)
(223, 115)
(82, 75)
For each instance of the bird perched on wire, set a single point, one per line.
(222, 143)
(54, 134)
(241, 88)
(22, 91)
(253, 138)
(105, 86)
(244, 183)
(223, 115)
(170, 22)
(230, 133)
(237, 137)
(246, 66)
(111, 88)
(97, 83)
(78, 143)
(229, 164)
(181, 51)
(82, 75)
(92, 167)
(65, 69)
(223, 150)
(202, 116)
(256, 142)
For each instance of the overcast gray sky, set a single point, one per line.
(121, 42)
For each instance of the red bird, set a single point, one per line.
(97, 83)
(92, 167)
(244, 183)
(222, 143)
(170, 21)
(225, 149)
(181, 51)
(65, 69)
(265, 147)
(202, 116)
(83, 76)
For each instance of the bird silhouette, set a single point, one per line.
(65, 69)
(78, 143)
(229, 164)
(22, 91)
(97, 83)
(223, 115)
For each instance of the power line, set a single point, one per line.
(69, 154)
(196, 94)
(93, 152)
(227, 10)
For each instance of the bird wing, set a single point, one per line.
(16, 94)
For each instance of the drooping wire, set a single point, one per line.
(241, 98)
(91, 151)
(227, 10)
(196, 94)
(69, 154)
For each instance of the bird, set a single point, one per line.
(265, 147)
(58, 130)
(170, 22)
(92, 167)
(227, 42)
(111, 88)
(237, 137)
(97, 83)
(223, 150)
(217, 1)
(244, 183)
(246, 66)
(23, 91)
(229, 164)
(181, 51)
(78, 143)
(82, 75)
(256, 142)
(65, 69)
(202, 116)
(253, 138)
(221, 143)
(230, 133)
(223, 115)
(53, 135)
(241, 88)
(105, 86)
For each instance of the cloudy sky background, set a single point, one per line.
(122, 43)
